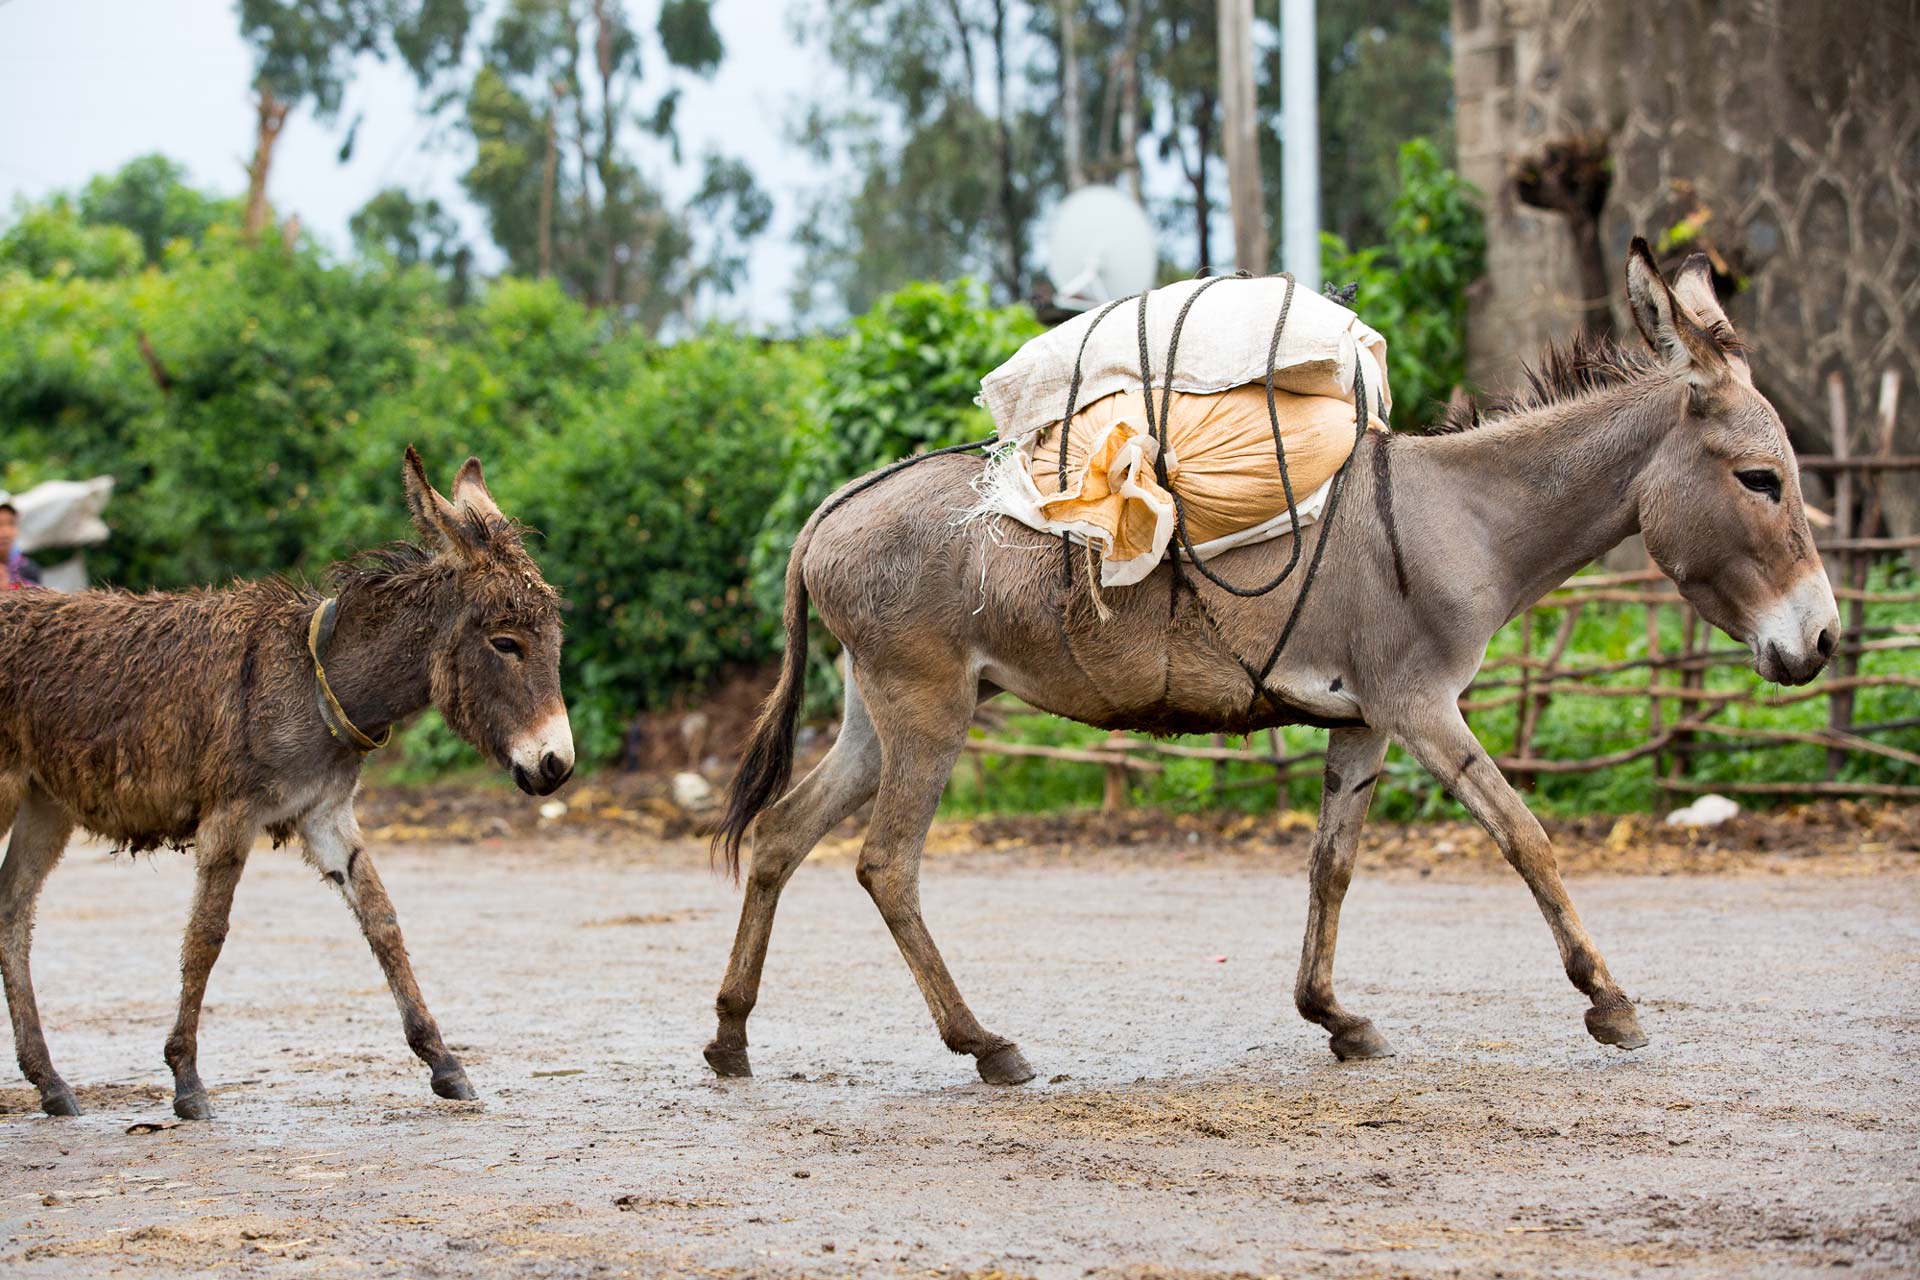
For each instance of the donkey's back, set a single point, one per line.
(133, 711)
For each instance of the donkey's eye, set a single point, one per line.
(507, 645)
(1761, 480)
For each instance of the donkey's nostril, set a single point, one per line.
(552, 766)
(1825, 643)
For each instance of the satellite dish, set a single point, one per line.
(1099, 247)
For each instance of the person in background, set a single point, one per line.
(18, 571)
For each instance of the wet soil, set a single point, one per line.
(1184, 1122)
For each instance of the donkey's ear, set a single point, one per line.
(439, 524)
(1693, 288)
(1673, 334)
(470, 491)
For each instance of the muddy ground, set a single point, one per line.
(1185, 1122)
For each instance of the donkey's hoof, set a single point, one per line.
(1618, 1026)
(1361, 1041)
(731, 1063)
(451, 1082)
(193, 1106)
(1004, 1066)
(59, 1101)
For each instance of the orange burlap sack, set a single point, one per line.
(1220, 460)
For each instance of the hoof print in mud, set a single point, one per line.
(1005, 1066)
(731, 1064)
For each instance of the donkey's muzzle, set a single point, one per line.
(549, 777)
(1793, 639)
(543, 759)
(1777, 667)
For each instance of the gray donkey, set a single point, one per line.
(209, 716)
(1436, 544)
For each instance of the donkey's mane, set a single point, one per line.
(1565, 371)
(378, 566)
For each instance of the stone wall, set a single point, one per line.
(1787, 131)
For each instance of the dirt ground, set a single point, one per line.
(1184, 1123)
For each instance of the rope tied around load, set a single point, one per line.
(1365, 399)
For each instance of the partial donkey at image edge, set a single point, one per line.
(203, 718)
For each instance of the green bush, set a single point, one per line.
(902, 382)
(1413, 288)
(664, 485)
(645, 502)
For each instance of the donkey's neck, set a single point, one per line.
(1552, 487)
(378, 661)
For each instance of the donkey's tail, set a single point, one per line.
(767, 767)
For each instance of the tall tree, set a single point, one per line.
(149, 195)
(304, 55)
(559, 137)
(1386, 75)
(950, 143)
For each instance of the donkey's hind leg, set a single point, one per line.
(1353, 763)
(220, 856)
(40, 831)
(782, 838)
(922, 723)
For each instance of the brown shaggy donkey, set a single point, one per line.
(208, 717)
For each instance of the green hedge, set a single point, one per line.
(268, 438)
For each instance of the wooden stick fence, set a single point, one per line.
(1530, 683)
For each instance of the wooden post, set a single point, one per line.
(1070, 112)
(1655, 719)
(1840, 703)
(1129, 77)
(1116, 795)
(1240, 135)
(1523, 779)
(1569, 619)
(1860, 563)
(1694, 643)
(1277, 742)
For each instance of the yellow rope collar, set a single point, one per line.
(331, 712)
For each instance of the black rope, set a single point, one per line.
(1326, 523)
(1156, 430)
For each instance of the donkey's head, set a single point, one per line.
(494, 661)
(1720, 506)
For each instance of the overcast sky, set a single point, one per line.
(86, 85)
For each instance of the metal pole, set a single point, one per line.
(1300, 144)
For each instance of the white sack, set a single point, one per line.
(1223, 344)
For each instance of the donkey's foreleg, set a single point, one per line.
(1448, 750)
(220, 856)
(922, 730)
(782, 838)
(40, 831)
(331, 842)
(1353, 765)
